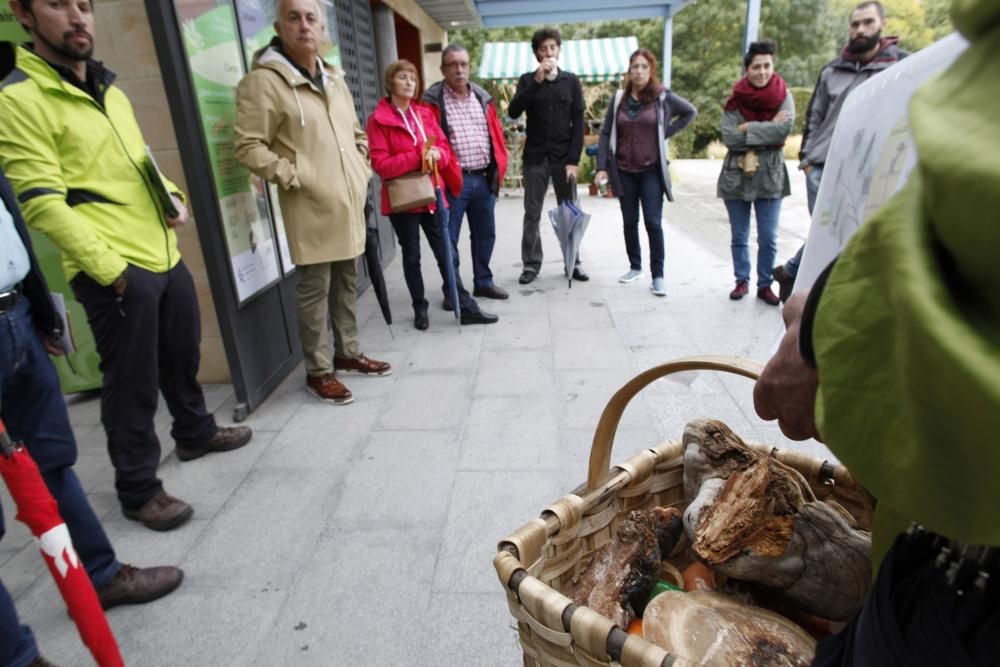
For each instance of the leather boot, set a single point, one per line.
(133, 585)
(161, 512)
(226, 439)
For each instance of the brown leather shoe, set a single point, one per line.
(133, 585)
(328, 389)
(362, 365)
(226, 439)
(161, 512)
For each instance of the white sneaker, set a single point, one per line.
(658, 288)
(630, 277)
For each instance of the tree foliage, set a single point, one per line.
(708, 43)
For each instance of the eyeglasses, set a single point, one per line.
(456, 65)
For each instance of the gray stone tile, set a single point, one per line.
(510, 433)
(322, 436)
(522, 329)
(583, 396)
(583, 311)
(401, 478)
(362, 599)
(208, 482)
(519, 373)
(590, 349)
(485, 507)
(266, 529)
(446, 349)
(429, 402)
(490, 640)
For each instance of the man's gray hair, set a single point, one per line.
(451, 48)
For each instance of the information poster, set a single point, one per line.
(213, 49)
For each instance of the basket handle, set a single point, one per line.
(600, 451)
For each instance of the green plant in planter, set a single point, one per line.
(586, 173)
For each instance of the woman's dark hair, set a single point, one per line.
(654, 87)
(767, 48)
(542, 35)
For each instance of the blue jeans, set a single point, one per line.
(813, 179)
(478, 202)
(645, 187)
(768, 211)
(32, 407)
(407, 227)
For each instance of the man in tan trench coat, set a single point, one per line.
(296, 127)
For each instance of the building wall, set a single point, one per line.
(124, 42)
(430, 33)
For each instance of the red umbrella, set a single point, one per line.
(37, 509)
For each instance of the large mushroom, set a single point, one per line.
(756, 519)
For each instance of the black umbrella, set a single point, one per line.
(373, 260)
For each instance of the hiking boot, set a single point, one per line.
(328, 389)
(785, 282)
(767, 296)
(226, 439)
(361, 365)
(741, 290)
(161, 512)
(133, 585)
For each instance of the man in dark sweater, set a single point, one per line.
(553, 100)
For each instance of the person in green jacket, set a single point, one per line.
(71, 147)
(893, 360)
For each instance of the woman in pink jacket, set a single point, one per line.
(397, 131)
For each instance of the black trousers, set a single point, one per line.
(407, 227)
(149, 341)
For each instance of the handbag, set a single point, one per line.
(410, 191)
(414, 189)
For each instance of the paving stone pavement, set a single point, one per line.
(364, 534)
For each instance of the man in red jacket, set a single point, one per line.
(468, 116)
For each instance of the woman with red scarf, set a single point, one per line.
(758, 117)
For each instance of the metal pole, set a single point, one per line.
(668, 49)
(752, 25)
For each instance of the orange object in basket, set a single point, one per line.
(635, 627)
(698, 577)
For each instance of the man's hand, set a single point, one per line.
(53, 346)
(781, 116)
(182, 213)
(545, 67)
(571, 171)
(786, 390)
(742, 127)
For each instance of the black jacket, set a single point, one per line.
(43, 311)
(555, 118)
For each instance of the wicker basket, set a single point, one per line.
(536, 561)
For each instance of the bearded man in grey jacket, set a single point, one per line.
(866, 54)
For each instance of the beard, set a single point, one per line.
(864, 44)
(67, 49)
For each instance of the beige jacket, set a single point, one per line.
(313, 148)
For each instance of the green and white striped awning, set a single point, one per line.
(603, 59)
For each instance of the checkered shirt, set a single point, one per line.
(467, 130)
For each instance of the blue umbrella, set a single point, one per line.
(441, 211)
(569, 223)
